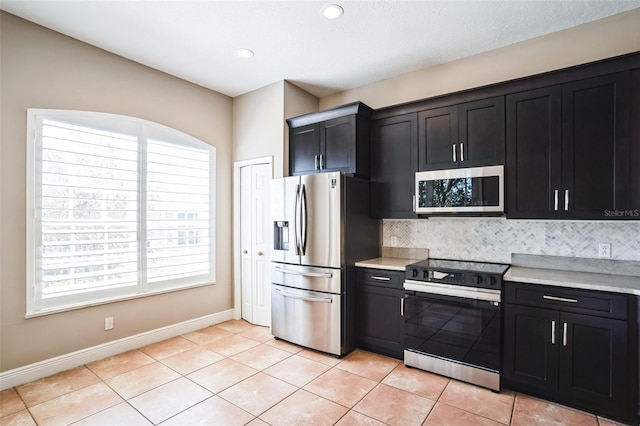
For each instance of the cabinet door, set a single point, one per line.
(338, 145)
(596, 147)
(530, 361)
(481, 133)
(304, 147)
(379, 323)
(394, 143)
(438, 139)
(533, 153)
(593, 363)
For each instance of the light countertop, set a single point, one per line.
(389, 263)
(575, 279)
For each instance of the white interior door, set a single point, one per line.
(255, 238)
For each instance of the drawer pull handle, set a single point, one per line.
(553, 332)
(560, 299)
(378, 278)
(564, 334)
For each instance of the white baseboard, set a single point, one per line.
(38, 370)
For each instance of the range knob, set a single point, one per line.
(477, 279)
(414, 273)
(492, 281)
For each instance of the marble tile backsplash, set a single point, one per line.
(494, 239)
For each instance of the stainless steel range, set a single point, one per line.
(452, 314)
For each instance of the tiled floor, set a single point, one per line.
(235, 374)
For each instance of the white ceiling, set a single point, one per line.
(372, 41)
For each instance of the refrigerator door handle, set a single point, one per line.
(296, 223)
(305, 298)
(305, 274)
(303, 220)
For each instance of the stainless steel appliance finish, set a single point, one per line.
(466, 190)
(452, 316)
(321, 228)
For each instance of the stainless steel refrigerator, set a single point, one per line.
(321, 227)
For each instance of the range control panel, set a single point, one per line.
(477, 276)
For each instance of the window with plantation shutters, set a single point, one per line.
(119, 207)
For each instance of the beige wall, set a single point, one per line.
(613, 36)
(43, 69)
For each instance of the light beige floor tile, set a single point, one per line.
(394, 406)
(257, 422)
(19, 418)
(169, 399)
(285, 346)
(258, 393)
(417, 381)
(122, 414)
(194, 359)
(529, 411)
(367, 364)
(221, 375)
(480, 401)
(234, 326)
(320, 357)
(167, 348)
(229, 346)
(206, 335)
(353, 418)
(297, 370)
(36, 392)
(446, 415)
(261, 357)
(212, 411)
(142, 379)
(10, 402)
(259, 334)
(74, 406)
(341, 387)
(119, 364)
(304, 408)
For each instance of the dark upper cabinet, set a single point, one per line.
(335, 140)
(394, 142)
(571, 346)
(465, 135)
(569, 151)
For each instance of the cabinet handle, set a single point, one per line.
(555, 202)
(564, 334)
(315, 162)
(402, 307)
(322, 166)
(461, 152)
(454, 152)
(553, 332)
(560, 299)
(378, 278)
(566, 199)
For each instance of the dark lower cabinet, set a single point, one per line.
(394, 142)
(564, 348)
(379, 323)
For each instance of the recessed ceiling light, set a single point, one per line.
(332, 11)
(245, 53)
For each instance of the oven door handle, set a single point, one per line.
(453, 290)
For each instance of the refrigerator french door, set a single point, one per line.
(321, 227)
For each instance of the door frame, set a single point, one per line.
(237, 264)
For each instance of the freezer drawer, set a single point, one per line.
(307, 318)
(307, 277)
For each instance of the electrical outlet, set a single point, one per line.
(108, 323)
(394, 241)
(604, 250)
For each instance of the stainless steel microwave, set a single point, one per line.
(470, 190)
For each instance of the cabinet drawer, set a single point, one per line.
(590, 302)
(380, 277)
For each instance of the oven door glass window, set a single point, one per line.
(457, 329)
